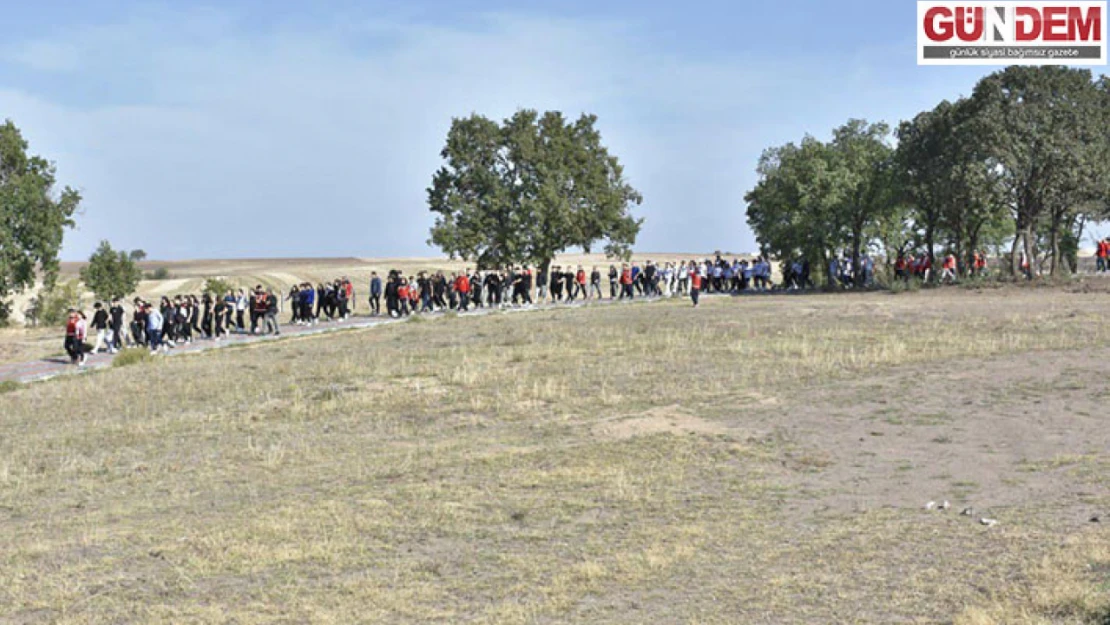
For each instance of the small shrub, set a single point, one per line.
(9, 386)
(50, 306)
(161, 273)
(134, 356)
(218, 287)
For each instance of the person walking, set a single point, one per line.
(695, 283)
(100, 326)
(375, 294)
(115, 315)
(76, 330)
(270, 313)
(154, 323)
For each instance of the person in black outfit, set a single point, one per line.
(392, 303)
(138, 323)
(115, 314)
(493, 289)
(100, 326)
(476, 289)
(526, 285)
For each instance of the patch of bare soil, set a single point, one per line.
(993, 435)
(662, 420)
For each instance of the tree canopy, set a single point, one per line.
(33, 217)
(1023, 160)
(111, 274)
(526, 189)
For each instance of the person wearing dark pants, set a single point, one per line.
(695, 284)
(76, 329)
(240, 309)
(271, 314)
(462, 287)
(375, 294)
(116, 314)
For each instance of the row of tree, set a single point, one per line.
(1021, 167)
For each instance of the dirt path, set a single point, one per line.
(46, 368)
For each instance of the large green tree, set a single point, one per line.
(529, 188)
(111, 274)
(33, 217)
(950, 181)
(816, 198)
(866, 165)
(794, 208)
(1045, 129)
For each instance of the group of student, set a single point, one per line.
(334, 301)
(428, 292)
(920, 266)
(182, 319)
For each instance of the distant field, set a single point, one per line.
(759, 460)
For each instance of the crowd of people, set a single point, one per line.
(183, 319)
(524, 286)
(920, 266)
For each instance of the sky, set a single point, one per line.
(250, 128)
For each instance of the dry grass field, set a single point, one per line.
(758, 460)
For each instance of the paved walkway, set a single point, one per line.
(52, 367)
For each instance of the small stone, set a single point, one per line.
(967, 512)
(988, 522)
(931, 505)
(1096, 519)
(945, 505)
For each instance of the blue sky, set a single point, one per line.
(265, 129)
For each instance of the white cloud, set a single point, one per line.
(192, 136)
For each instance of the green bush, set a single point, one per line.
(134, 356)
(218, 287)
(9, 386)
(161, 273)
(50, 306)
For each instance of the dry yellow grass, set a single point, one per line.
(600, 465)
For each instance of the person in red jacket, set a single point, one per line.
(626, 282)
(948, 269)
(1103, 253)
(580, 282)
(403, 297)
(695, 282)
(462, 287)
(76, 330)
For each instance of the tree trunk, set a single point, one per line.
(830, 279)
(1030, 257)
(857, 243)
(1015, 262)
(1054, 238)
(929, 233)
